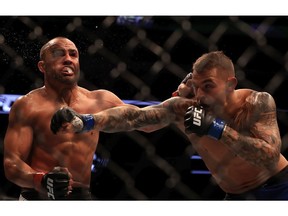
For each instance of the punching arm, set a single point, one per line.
(122, 118)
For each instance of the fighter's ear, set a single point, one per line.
(232, 83)
(41, 66)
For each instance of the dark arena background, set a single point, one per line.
(142, 59)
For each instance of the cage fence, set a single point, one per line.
(142, 59)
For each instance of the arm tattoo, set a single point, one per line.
(131, 119)
(127, 118)
(259, 142)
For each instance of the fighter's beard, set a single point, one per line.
(66, 80)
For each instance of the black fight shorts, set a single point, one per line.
(275, 188)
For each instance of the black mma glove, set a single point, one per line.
(197, 121)
(80, 122)
(188, 76)
(56, 183)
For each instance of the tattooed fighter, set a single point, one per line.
(234, 131)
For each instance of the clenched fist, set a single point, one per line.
(66, 119)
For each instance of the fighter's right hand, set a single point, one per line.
(56, 183)
(66, 119)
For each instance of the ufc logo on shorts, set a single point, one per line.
(50, 188)
(197, 116)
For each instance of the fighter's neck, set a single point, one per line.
(68, 96)
(65, 95)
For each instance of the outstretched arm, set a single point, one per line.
(122, 118)
(127, 118)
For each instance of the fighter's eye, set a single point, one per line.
(208, 86)
(58, 53)
(73, 53)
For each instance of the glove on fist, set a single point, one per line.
(184, 81)
(80, 122)
(197, 121)
(56, 183)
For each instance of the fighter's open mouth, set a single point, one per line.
(68, 71)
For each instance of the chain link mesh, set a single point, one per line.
(144, 58)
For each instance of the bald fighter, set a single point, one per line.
(45, 165)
